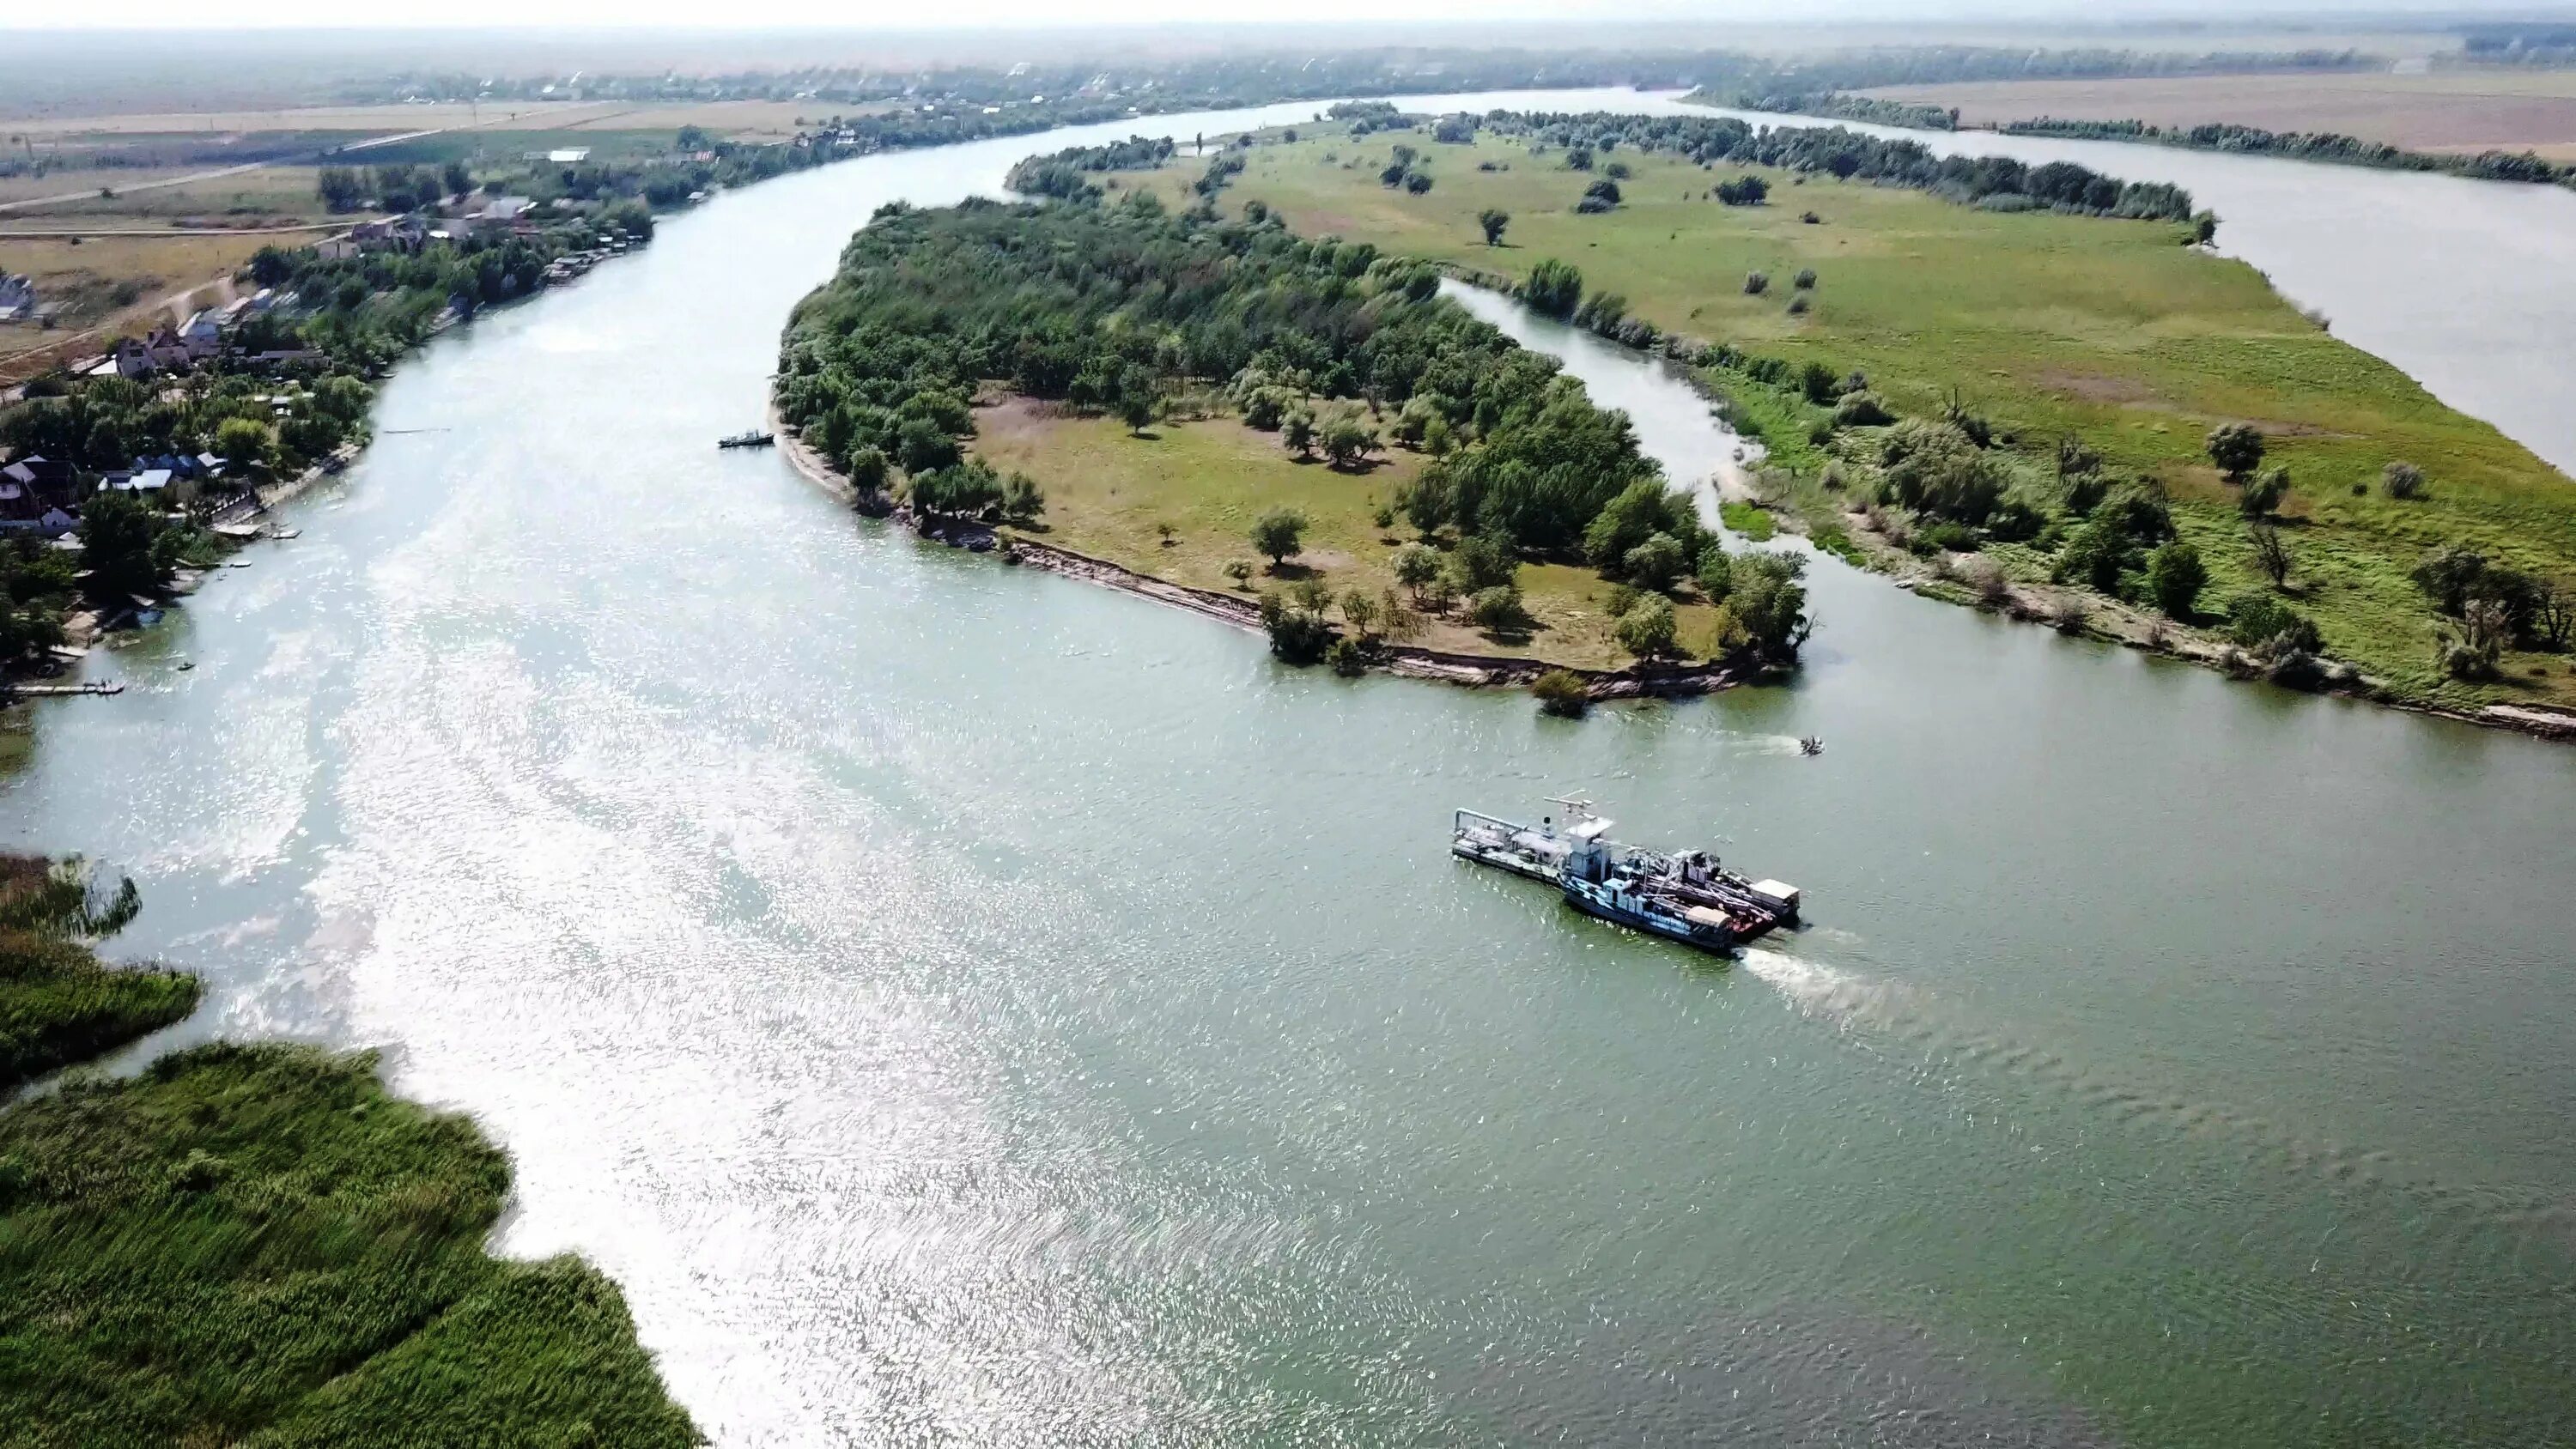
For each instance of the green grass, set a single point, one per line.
(1107, 490)
(260, 1245)
(59, 1003)
(2109, 331)
(1748, 519)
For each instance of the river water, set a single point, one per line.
(964, 1006)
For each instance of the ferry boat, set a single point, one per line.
(1685, 896)
(753, 439)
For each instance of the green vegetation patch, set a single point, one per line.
(261, 1245)
(2054, 335)
(60, 1004)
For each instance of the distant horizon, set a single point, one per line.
(320, 20)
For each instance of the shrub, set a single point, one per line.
(2264, 624)
(1715, 573)
(1798, 305)
(2237, 449)
(1239, 570)
(1499, 610)
(2402, 481)
(1756, 283)
(1743, 191)
(1417, 182)
(2175, 577)
(1809, 217)
(1347, 658)
(1655, 563)
(1296, 636)
(1604, 190)
(1862, 410)
(1562, 693)
(1647, 630)
(2271, 555)
(1553, 288)
(2263, 493)
(1805, 281)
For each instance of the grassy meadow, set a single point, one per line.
(1108, 490)
(2111, 332)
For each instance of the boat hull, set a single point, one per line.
(1594, 901)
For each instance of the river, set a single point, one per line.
(964, 1006)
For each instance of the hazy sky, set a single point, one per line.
(839, 14)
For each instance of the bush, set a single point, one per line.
(1297, 635)
(2175, 577)
(1239, 570)
(1743, 191)
(2237, 449)
(1656, 563)
(1805, 281)
(1347, 658)
(1756, 283)
(2263, 493)
(1798, 305)
(2402, 481)
(2264, 624)
(1647, 629)
(1553, 289)
(1861, 410)
(1499, 610)
(1562, 693)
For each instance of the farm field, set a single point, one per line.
(2113, 333)
(2463, 111)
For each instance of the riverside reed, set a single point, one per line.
(2093, 355)
(260, 1245)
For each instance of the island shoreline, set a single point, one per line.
(1411, 661)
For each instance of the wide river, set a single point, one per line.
(963, 1006)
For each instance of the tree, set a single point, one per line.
(2175, 577)
(2237, 449)
(1656, 563)
(1298, 430)
(1647, 629)
(1279, 535)
(457, 179)
(1499, 611)
(2271, 555)
(1743, 191)
(1360, 610)
(2263, 492)
(1136, 410)
(117, 532)
(1239, 570)
(1297, 635)
(1346, 442)
(1554, 288)
(1022, 501)
(866, 470)
(922, 446)
(244, 441)
(1415, 567)
(1493, 220)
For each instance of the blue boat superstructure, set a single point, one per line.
(1686, 897)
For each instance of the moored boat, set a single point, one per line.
(753, 439)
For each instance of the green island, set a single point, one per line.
(258, 1244)
(1982, 377)
(1229, 407)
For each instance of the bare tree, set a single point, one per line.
(2271, 555)
(2553, 613)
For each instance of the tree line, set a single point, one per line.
(2330, 147)
(1849, 155)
